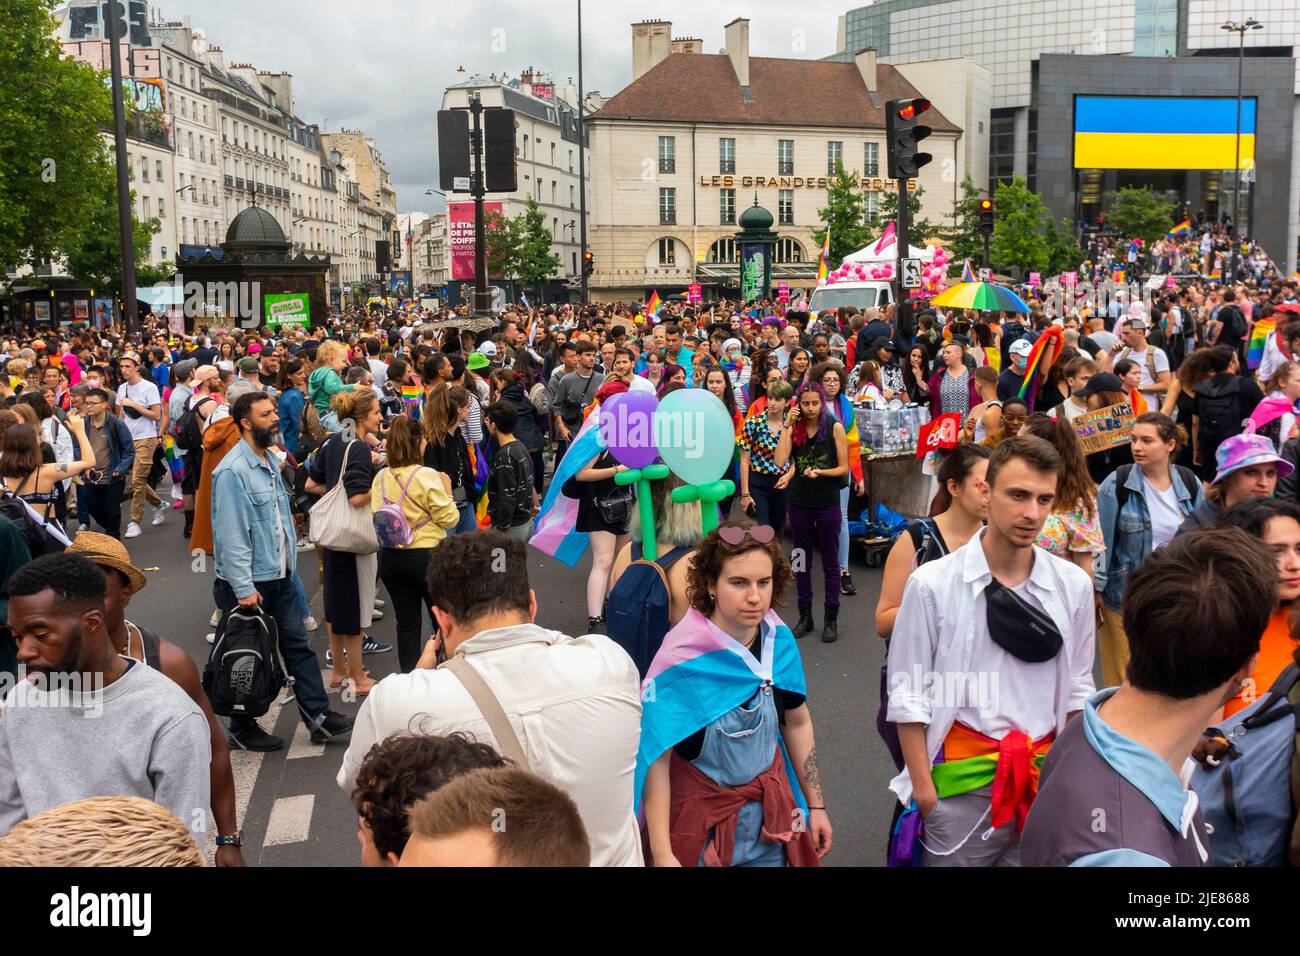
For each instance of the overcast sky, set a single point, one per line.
(382, 65)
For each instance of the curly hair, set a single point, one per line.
(706, 566)
(404, 769)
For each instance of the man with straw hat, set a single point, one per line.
(123, 579)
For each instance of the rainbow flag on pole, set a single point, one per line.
(1258, 339)
(653, 303)
(1040, 362)
(824, 260)
(1184, 228)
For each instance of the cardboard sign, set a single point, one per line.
(694, 293)
(783, 292)
(1105, 428)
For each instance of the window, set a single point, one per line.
(788, 250)
(554, 186)
(667, 252)
(144, 209)
(871, 159)
(1002, 147)
(144, 168)
(667, 154)
(785, 207)
(726, 155)
(552, 154)
(870, 206)
(184, 227)
(785, 157)
(571, 188)
(724, 250)
(834, 156)
(570, 160)
(727, 206)
(667, 206)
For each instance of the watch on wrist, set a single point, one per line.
(231, 839)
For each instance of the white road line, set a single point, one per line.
(290, 820)
(301, 745)
(245, 766)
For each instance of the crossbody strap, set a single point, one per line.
(507, 740)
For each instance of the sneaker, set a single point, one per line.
(178, 504)
(329, 658)
(305, 545)
(371, 646)
(332, 727)
(132, 531)
(595, 625)
(255, 738)
(159, 515)
(310, 623)
(376, 615)
(212, 637)
(846, 584)
(380, 602)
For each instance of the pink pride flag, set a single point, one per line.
(887, 238)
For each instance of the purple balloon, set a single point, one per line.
(627, 428)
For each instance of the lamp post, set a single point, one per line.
(1239, 28)
(582, 165)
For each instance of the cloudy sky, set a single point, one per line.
(382, 65)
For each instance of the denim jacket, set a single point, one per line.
(1128, 530)
(251, 520)
(121, 447)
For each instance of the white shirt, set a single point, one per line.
(1161, 363)
(1273, 357)
(379, 372)
(1071, 410)
(575, 704)
(941, 641)
(1166, 516)
(144, 393)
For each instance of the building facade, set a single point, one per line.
(696, 138)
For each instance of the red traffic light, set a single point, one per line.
(913, 108)
(986, 205)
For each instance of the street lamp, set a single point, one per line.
(1239, 28)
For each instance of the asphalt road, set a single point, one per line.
(293, 814)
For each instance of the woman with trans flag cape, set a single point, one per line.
(726, 771)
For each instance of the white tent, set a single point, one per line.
(868, 254)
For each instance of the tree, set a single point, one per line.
(965, 241)
(919, 230)
(502, 240)
(844, 216)
(1018, 242)
(54, 164)
(535, 263)
(1063, 253)
(96, 257)
(1139, 213)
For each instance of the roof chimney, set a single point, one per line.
(651, 45)
(865, 61)
(737, 34)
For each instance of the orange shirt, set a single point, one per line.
(1276, 650)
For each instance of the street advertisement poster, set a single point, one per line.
(42, 311)
(103, 314)
(81, 313)
(428, 304)
(290, 309)
(1105, 428)
(753, 272)
(460, 221)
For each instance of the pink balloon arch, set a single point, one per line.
(934, 278)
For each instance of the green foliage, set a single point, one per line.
(535, 261)
(1063, 253)
(1141, 213)
(54, 164)
(502, 245)
(96, 257)
(1018, 242)
(919, 229)
(965, 241)
(844, 216)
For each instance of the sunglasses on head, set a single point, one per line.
(761, 533)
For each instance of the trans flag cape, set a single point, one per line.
(555, 534)
(699, 674)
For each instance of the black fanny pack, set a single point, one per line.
(1018, 627)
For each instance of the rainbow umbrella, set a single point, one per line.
(980, 296)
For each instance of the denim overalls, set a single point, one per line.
(739, 746)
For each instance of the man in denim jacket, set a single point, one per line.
(256, 557)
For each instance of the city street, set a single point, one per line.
(293, 814)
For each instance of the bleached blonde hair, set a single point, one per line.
(101, 831)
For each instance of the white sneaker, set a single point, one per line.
(305, 545)
(160, 514)
(132, 530)
(376, 614)
(380, 602)
(212, 637)
(310, 623)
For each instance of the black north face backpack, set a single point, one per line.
(244, 673)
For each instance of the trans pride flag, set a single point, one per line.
(701, 673)
(555, 534)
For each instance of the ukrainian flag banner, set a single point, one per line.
(1130, 132)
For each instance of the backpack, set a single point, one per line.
(43, 536)
(1219, 408)
(1247, 797)
(187, 431)
(1122, 491)
(310, 425)
(392, 529)
(244, 674)
(636, 612)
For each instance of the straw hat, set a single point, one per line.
(108, 552)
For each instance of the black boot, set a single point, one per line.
(831, 626)
(805, 626)
(189, 524)
(596, 625)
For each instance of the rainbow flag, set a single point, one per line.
(555, 534)
(412, 394)
(849, 419)
(701, 673)
(1184, 228)
(1258, 339)
(653, 303)
(1040, 362)
(824, 260)
(967, 273)
(1139, 402)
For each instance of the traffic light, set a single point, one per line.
(902, 133)
(588, 262)
(986, 217)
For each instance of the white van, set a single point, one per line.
(862, 295)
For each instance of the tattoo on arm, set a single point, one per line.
(63, 468)
(811, 775)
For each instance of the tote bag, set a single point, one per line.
(336, 525)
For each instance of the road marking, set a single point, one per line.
(245, 766)
(301, 745)
(290, 820)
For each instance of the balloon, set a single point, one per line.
(627, 428)
(696, 435)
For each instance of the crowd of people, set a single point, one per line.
(1168, 559)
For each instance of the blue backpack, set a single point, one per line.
(636, 612)
(1247, 797)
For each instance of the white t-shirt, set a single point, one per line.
(1161, 364)
(379, 372)
(144, 393)
(1166, 516)
(1071, 411)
